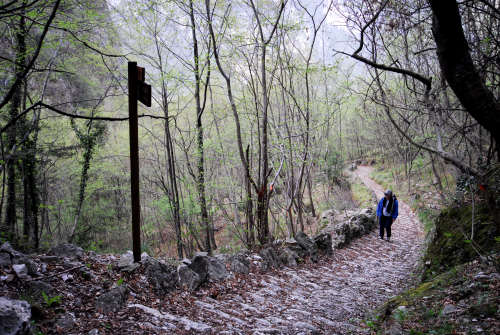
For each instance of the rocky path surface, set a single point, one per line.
(322, 298)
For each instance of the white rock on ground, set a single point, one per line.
(15, 317)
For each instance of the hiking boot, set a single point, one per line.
(388, 239)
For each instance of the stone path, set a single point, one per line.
(319, 299)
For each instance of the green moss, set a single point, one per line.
(451, 244)
(414, 299)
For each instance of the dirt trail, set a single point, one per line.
(318, 298)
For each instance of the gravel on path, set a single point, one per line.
(323, 298)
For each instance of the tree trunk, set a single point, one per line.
(250, 233)
(244, 162)
(84, 177)
(457, 66)
(11, 215)
(200, 182)
(263, 194)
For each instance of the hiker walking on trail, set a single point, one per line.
(387, 213)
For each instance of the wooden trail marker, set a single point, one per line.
(138, 90)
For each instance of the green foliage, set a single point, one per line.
(400, 315)
(333, 166)
(119, 282)
(49, 301)
(430, 313)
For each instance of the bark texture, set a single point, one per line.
(459, 70)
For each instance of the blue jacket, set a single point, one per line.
(394, 208)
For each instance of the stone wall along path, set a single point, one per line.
(324, 298)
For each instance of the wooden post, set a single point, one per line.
(134, 159)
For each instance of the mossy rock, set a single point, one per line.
(416, 294)
(425, 309)
(450, 244)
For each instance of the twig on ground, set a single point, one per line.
(57, 274)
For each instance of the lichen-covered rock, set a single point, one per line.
(307, 244)
(324, 243)
(163, 277)
(36, 289)
(239, 263)
(353, 225)
(199, 264)
(66, 321)
(289, 257)
(126, 262)
(188, 278)
(17, 257)
(113, 300)
(5, 260)
(216, 269)
(15, 317)
(66, 250)
(270, 258)
(293, 245)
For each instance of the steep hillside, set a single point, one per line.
(459, 291)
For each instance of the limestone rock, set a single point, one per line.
(216, 269)
(17, 257)
(239, 264)
(199, 264)
(126, 259)
(34, 291)
(5, 260)
(163, 277)
(324, 243)
(354, 225)
(66, 250)
(270, 258)
(289, 257)
(21, 270)
(307, 244)
(292, 244)
(144, 256)
(126, 262)
(66, 321)
(113, 300)
(188, 278)
(15, 317)
(394, 329)
(448, 309)
(7, 248)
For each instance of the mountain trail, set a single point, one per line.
(324, 298)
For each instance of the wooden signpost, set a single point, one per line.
(138, 90)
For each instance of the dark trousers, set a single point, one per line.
(385, 222)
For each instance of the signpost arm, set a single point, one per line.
(134, 159)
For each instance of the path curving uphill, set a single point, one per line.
(314, 298)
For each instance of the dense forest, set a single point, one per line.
(257, 108)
